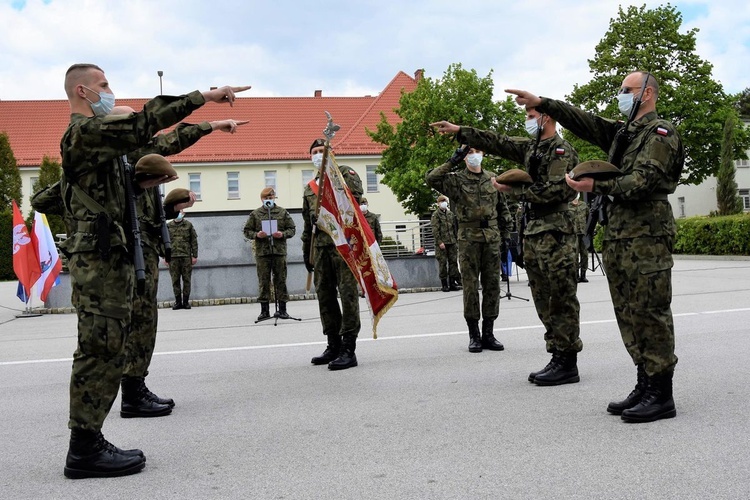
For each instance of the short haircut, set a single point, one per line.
(77, 73)
(650, 81)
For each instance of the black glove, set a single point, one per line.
(308, 265)
(459, 155)
(306, 257)
(314, 220)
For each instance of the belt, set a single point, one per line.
(651, 197)
(478, 224)
(539, 211)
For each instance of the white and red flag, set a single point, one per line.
(25, 260)
(49, 260)
(341, 218)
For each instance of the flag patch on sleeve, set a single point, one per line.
(662, 131)
(560, 151)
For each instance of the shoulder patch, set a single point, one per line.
(559, 151)
(662, 131)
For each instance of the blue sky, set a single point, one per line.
(292, 48)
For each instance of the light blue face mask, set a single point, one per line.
(269, 203)
(179, 217)
(625, 103)
(532, 126)
(105, 105)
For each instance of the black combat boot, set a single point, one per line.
(90, 455)
(177, 303)
(454, 285)
(153, 397)
(475, 337)
(582, 277)
(657, 402)
(635, 396)
(331, 352)
(264, 311)
(488, 337)
(564, 370)
(347, 358)
(282, 311)
(136, 403)
(445, 285)
(186, 301)
(551, 363)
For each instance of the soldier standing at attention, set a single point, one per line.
(638, 239)
(93, 189)
(341, 325)
(581, 213)
(184, 256)
(483, 223)
(443, 224)
(373, 220)
(270, 251)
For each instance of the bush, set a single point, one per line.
(725, 235)
(6, 245)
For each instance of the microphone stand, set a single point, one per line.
(276, 316)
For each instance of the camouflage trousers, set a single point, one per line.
(267, 265)
(550, 260)
(332, 273)
(583, 254)
(181, 268)
(447, 262)
(98, 360)
(639, 272)
(139, 348)
(480, 261)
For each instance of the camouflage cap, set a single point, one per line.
(514, 176)
(363, 201)
(317, 143)
(595, 168)
(267, 191)
(153, 165)
(177, 195)
(442, 197)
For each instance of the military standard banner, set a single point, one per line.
(341, 218)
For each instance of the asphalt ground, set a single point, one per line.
(419, 418)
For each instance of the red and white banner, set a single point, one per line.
(49, 259)
(25, 260)
(341, 218)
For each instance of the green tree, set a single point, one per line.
(650, 40)
(461, 97)
(10, 178)
(742, 103)
(50, 172)
(727, 200)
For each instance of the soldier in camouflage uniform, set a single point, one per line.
(443, 223)
(549, 241)
(341, 325)
(580, 214)
(637, 247)
(373, 220)
(483, 223)
(184, 256)
(99, 253)
(270, 252)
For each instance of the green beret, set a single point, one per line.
(595, 168)
(177, 195)
(514, 176)
(153, 165)
(317, 143)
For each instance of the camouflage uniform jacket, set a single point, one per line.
(580, 215)
(322, 239)
(253, 226)
(547, 198)
(443, 227)
(89, 150)
(184, 239)
(481, 211)
(374, 221)
(652, 162)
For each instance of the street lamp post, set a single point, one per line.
(160, 73)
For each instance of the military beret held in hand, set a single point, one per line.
(514, 176)
(177, 195)
(153, 165)
(595, 168)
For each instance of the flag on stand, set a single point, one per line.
(21, 293)
(341, 218)
(25, 261)
(49, 260)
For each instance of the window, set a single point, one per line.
(270, 178)
(681, 204)
(372, 179)
(233, 185)
(195, 185)
(307, 176)
(34, 180)
(742, 163)
(745, 195)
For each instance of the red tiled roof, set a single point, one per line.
(280, 128)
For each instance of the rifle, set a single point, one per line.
(164, 229)
(140, 265)
(598, 207)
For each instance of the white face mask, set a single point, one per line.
(317, 159)
(474, 160)
(269, 203)
(625, 103)
(443, 205)
(532, 126)
(363, 208)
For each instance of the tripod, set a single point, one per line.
(510, 295)
(508, 271)
(276, 315)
